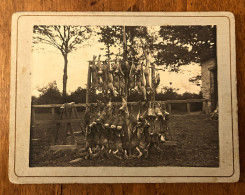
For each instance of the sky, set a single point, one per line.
(48, 67)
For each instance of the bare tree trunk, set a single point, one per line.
(65, 77)
(153, 98)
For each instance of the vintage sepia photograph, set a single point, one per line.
(135, 96)
(123, 98)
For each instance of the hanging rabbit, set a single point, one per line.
(100, 72)
(116, 75)
(110, 79)
(94, 72)
(121, 80)
(132, 77)
(105, 76)
(147, 73)
(138, 79)
(143, 83)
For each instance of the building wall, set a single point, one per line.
(206, 80)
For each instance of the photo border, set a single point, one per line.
(16, 18)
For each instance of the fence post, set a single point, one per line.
(53, 113)
(204, 107)
(208, 105)
(169, 108)
(188, 106)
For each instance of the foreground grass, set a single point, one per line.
(196, 135)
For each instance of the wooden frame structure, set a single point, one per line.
(168, 104)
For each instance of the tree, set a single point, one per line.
(168, 94)
(50, 94)
(170, 45)
(66, 39)
(78, 96)
(139, 40)
(181, 45)
(113, 35)
(110, 36)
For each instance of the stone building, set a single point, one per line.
(209, 83)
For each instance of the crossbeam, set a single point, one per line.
(129, 103)
(38, 122)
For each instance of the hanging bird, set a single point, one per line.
(157, 80)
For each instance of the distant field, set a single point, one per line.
(196, 135)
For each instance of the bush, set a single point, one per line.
(78, 96)
(49, 95)
(171, 94)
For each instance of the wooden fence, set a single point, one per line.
(168, 103)
(205, 108)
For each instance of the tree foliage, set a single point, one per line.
(64, 38)
(78, 96)
(171, 46)
(171, 94)
(49, 94)
(137, 38)
(181, 45)
(110, 36)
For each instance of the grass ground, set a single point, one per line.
(196, 136)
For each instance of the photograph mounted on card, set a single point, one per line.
(123, 97)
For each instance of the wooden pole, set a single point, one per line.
(204, 107)
(169, 108)
(88, 83)
(124, 44)
(126, 81)
(124, 62)
(152, 82)
(53, 113)
(188, 107)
